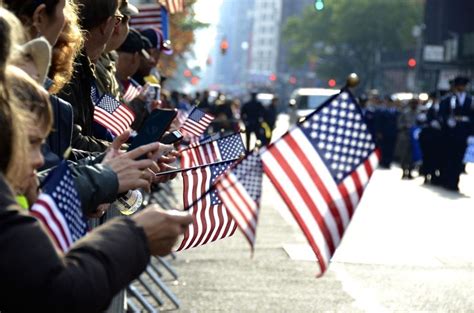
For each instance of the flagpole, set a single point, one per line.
(178, 170)
(213, 185)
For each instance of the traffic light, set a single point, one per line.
(273, 77)
(319, 5)
(411, 63)
(292, 80)
(332, 83)
(224, 46)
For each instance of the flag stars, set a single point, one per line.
(314, 135)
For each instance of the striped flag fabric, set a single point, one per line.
(174, 6)
(240, 190)
(211, 221)
(149, 16)
(321, 167)
(59, 209)
(132, 90)
(223, 149)
(196, 122)
(113, 115)
(182, 116)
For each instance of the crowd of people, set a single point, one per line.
(56, 58)
(428, 135)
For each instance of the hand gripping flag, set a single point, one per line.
(226, 148)
(112, 114)
(196, 122)
(240, 190)
(211, 221)
(132, 90)
(320, 168)
(58, 207)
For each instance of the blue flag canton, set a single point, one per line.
(216, 171)
(231, 147)
(94, 94)
(60, 187)
(196, 115)
(340, 136)
(249, 172)
(108, 103)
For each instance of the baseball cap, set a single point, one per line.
(157, 40)
(135, 43)
(126, 8)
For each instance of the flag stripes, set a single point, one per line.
(123, 118)
(210, 221)
(149, 16)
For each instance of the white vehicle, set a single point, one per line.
(303, 101)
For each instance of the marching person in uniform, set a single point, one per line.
(457, 116)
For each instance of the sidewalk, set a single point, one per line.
(409, 247)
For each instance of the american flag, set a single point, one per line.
(113, 115)
(320, 168)
(211, 221)
(196, 122)
(182, 116)
(174, 6)
(149, 16)
(223, 149)
(240, 190)
(132, 90)
(58, 207)
(205, 139)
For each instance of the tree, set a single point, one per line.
(182, 27)
(350, 35)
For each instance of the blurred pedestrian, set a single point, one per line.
(457, 115)
(252, 114)
(405, 124)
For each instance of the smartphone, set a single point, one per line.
(153, 128)
(172, 137)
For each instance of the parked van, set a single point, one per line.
(303, 101)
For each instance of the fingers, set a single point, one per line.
(120, 140)
(135, 153)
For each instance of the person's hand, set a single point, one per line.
(162, 228)
(101, 209)
(132, 173)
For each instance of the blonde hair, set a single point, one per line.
(31, 97)
(66, 49)
(13, 139)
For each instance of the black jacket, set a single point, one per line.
(78, 93)
(95, 183)
(35, 277)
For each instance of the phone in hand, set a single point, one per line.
(153, 128)
(171, 137)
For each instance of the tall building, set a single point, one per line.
(228, 70)
(265, 42)
(448, 41)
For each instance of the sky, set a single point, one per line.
(207, 11)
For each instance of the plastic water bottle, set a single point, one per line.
(130, 202)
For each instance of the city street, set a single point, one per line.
(408, 248)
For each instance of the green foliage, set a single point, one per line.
(348, 34)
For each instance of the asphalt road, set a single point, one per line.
(409, 248)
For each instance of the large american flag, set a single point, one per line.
(223, 149)
(211, 221)
(58, 207)
(320, 168)
(240, 190)
(149, 16)
(196, 122)
(113, 115)
(132, 90)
